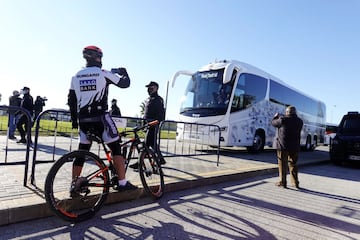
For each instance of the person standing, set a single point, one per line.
(154, 110)
(14, 100)
(88, 102)
(288, 145)
(115, 110)
(38, 106)
(27, 103)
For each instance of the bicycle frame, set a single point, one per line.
(88, 192)
(135, 141)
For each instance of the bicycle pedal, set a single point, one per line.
(86, 191)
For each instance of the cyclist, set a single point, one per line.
(87, 99)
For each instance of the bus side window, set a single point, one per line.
(238, 102)
(241, 103)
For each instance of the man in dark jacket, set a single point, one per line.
(14, 100)
(115, 110)
(39, 106)
(154, 110)
(28, 104)
(288, 145)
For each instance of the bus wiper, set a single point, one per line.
(196, 109)
(186, 110)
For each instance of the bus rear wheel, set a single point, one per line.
(309, 146)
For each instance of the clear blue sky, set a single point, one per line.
(313, 45)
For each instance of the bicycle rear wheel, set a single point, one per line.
(151, 174)
(77, 200)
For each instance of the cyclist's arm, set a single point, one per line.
(72, 102)
(120, 79)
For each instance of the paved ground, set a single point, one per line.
(22, 203)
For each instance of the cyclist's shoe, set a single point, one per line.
(134, 165)
(126, 187)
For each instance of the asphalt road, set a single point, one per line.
(327, 207)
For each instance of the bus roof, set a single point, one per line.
(245, 67)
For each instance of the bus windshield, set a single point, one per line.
(206, 95)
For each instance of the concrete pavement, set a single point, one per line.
(23, 203)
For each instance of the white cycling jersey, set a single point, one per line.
(91, 87)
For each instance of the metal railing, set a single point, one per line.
(19, 110)
(191, 139)
(52, 140)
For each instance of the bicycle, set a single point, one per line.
(90, 190)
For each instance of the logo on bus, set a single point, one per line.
(209, 75)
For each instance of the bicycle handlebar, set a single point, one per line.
(138, 128)
(153, 123)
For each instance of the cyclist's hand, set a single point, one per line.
(120, 71)
(123, 72)
(75, 125)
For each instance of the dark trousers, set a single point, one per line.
(22, 121)
(288, 159)
(151, 140)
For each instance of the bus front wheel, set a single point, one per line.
(258, 143)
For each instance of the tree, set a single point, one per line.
(142, 109)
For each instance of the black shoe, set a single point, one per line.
(21, 141)
(134, 165)
(12, 137)
(126, 187)
(162, 161)
(280, 184)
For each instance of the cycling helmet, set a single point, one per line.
(92, 53)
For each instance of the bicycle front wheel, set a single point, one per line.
(151, 174)
(78, 199)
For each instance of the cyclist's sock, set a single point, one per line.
(122, 182)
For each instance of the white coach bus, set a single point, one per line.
(242, 99)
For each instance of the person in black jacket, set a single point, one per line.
(154, 110)
(288, 145)
(14, 100)
(115, 110)
(27, 103)
(38, 106)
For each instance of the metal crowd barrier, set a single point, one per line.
(191, 139)
(63, 139)
(28, 144)
(59, 139)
